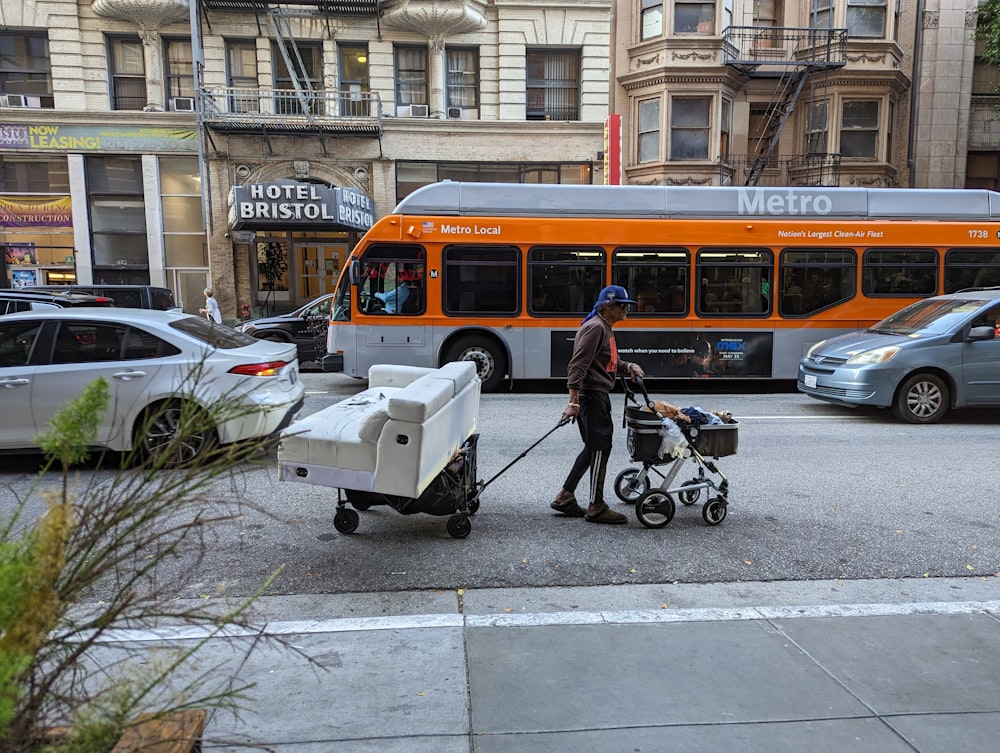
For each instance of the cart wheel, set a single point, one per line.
(473, 505)
(689, 496)
(459, 526)
(346, 520)
(714, 511)
(359, 505)
(655, 508)
(628, 487)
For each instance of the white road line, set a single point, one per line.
(541, 619)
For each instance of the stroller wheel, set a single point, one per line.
(689, 496)
(346, 520)
(473, 505)
(714, 511)
(628, 487)
(655, 508)
(459, 526)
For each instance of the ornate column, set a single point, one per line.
(150, 16)
(435, 20)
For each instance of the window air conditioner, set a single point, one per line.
(454, 112)
(419, 111)
(13, 100)
(182, 104)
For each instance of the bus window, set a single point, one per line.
(341, 311)
(811, 279)
(481, 280)
(734, 281)
(656, 278)
(971, 268)
(565, 280)
(392, 280)
(901, 272)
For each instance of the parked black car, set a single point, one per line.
(305, 327)
(13, 301)
(124, 296)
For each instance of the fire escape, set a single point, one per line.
(796, 59)
(303, 108)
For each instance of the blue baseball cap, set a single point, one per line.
(614, 294)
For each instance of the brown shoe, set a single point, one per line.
(567, 505)
(603, 514)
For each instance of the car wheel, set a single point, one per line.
(490, 360)
(922, 399)
(174, 433)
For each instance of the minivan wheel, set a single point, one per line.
(922, 399)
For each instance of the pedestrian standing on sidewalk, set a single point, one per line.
(211, 310)
(591, 374)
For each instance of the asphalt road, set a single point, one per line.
(816, 492)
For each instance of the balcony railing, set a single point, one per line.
(801, 170)
(239, 109)
(751, 47)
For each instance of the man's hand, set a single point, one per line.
(635, 371)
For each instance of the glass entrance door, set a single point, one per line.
(319, 266)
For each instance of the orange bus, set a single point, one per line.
(730, 282)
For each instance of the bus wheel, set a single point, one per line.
(922, 399)
(491, 364)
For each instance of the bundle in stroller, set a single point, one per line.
(656, 440)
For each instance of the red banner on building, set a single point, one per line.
(613, 150)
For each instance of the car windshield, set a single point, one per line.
(315, 308)
(932, 316)
(213, 334)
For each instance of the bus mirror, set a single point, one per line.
(355, 272)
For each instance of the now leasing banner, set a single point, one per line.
(78, 138)
(26, 212)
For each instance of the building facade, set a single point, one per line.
(868, 93)
(247, 144)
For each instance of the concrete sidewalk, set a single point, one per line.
(880, 666)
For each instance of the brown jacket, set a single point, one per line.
(594, 364)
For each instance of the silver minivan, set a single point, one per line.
(936, 354)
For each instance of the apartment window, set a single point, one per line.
(859, 129)
(822, 14)
(816, 127)
(34, 174)
(888, 131)
(765, 13)
(649, 130)
(183, 222)
(694, 17)
(128, 74)
(463, 78)
(553, 85)
(651, 19)
(117, 220)
(178, 72)
(689, 127)
(25, 68)
(354, 83)
(307, 73)
(725, 127)
(411, 76)
(866, 18)
(241, 77)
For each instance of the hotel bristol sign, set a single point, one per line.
(289, 204)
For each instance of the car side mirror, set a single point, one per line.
(981, 333)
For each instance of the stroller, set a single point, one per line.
(649, 443)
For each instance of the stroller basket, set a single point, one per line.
(644, 438)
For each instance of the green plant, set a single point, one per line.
(272, 264)
(92, 561)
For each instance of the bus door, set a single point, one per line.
(392, 299)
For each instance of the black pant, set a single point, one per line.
(596, 431)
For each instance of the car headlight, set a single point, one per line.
(876, 355)
(813, 348)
